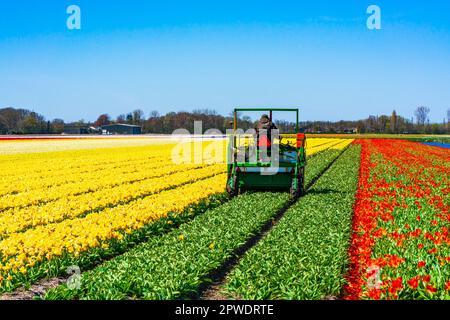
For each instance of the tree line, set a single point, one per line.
(394, 123)
(384, 124)
(22, 121)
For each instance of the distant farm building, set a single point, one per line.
(351, 130)
(73, 129)
(120, 128)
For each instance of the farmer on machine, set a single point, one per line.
(264, 134)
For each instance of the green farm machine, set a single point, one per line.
(278, 165)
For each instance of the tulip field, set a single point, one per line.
(401, 223)
(139, 224)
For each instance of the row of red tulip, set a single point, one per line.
(400, 247)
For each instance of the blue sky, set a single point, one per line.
(182, 55)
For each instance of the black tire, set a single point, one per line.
(233, 191)
(298, 185)
(302, 182)
(295, 192)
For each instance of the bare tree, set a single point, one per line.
(154, 114)
(448, 120)
(57, 125)
(129, 118)
(394, 122)
(121, 118)
(421, 114)
(22, 121)
(137, 116)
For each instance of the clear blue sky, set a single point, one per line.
(181, 55)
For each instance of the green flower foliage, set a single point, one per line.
(305, 255)
(176, 264)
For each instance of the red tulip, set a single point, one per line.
(431, 289)
(413, 283)
(447, 286)
(393, 173)
(396, 285)
(374, 294)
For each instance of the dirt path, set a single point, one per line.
(35, 291)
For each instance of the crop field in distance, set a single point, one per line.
(149, 218)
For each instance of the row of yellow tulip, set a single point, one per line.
(313, 147)
(29, 182)
(18, 219)
(30, 189)
(43, 190)
(20, 193)
(41, 165)
(78, 160)
(343, 144)
(23, 250)
(39, 146)
(40, 175)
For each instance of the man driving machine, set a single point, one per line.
(264, 134)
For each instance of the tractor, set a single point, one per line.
(275, 165)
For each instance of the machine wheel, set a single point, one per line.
(298, 185)
(295, 192)
(233, 190)
(302, 181)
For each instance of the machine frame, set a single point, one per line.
(248, 175)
